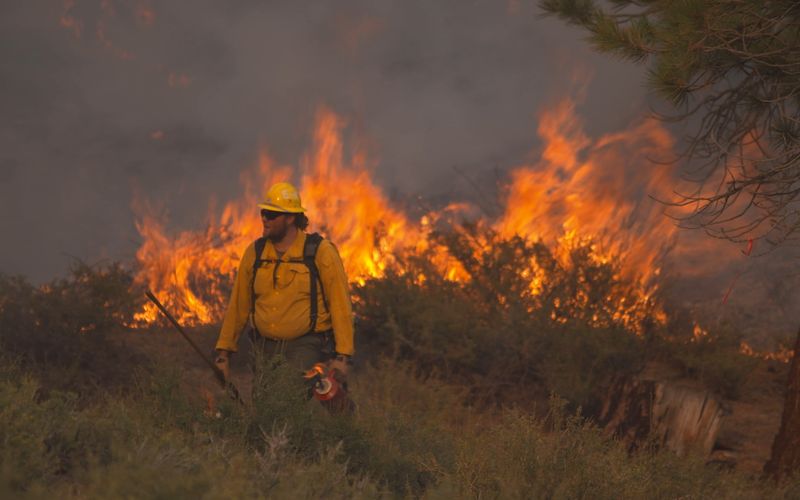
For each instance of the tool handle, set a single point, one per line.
(217, 372)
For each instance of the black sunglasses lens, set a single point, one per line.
(270, 215)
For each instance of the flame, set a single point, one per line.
(211, 410)
(581, 192)
(698, 333)
(317, 370)
(566, 197)
(175, 267)
(590, 192)
(782, 355)
(351, 210)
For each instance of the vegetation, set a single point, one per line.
(453, 392)
(501, 341)
(731, 68)
(60, 330)
(411, 436)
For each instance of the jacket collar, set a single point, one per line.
(295, 251)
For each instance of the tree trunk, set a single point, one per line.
(669, 415)
(786, 448)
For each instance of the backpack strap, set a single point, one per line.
(257, 261)
(310, 248)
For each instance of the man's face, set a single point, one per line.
(275, 224)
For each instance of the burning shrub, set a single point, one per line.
(569, 329)
(62, 327)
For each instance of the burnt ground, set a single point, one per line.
(744, 441)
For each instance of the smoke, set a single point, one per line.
(175, 98)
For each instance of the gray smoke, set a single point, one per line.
(175, 99)
(177, 108)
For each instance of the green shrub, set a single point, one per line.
(61, 329)
(152, 444)
(44, 439)
(447, 374)
(420, 438)
(281, 406)
(495, 336)
(408, 419)
(714, 359)
(562, 456)
(582, 362)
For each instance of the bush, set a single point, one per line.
(43, 439)
(281, 406)
(583, 325)
(448, 372)
(713, 359)
(152, 443)
(419, 438)
(61, 329)
(495, 335)
(564, 457)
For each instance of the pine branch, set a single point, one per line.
(575, 12)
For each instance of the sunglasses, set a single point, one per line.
(270, 214)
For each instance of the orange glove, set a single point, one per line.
(341, 363)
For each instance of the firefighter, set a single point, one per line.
(291, 290)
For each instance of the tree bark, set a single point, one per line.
(785, 459)
(669, 415)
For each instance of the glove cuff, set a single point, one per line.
(344, 358)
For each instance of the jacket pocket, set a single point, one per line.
(295, 277)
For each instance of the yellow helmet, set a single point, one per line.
(283, 197)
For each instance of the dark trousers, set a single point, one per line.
(301, 353)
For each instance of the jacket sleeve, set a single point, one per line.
(337, 291)
(238, 310)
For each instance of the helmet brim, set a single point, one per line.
(276, 208)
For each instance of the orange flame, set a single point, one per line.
(581, 191)
(590, 192)
(175, 267)
(698, 333)
(782, 355)
(565, 196)
(353, 211)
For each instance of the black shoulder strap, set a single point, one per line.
(259, 246)
(309, 259)
(310, 248)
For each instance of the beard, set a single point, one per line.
(277, 234)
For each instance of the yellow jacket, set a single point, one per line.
(283, 305)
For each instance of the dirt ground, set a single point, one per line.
(747, 431)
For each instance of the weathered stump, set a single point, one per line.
(627, 409)
(678, 418)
